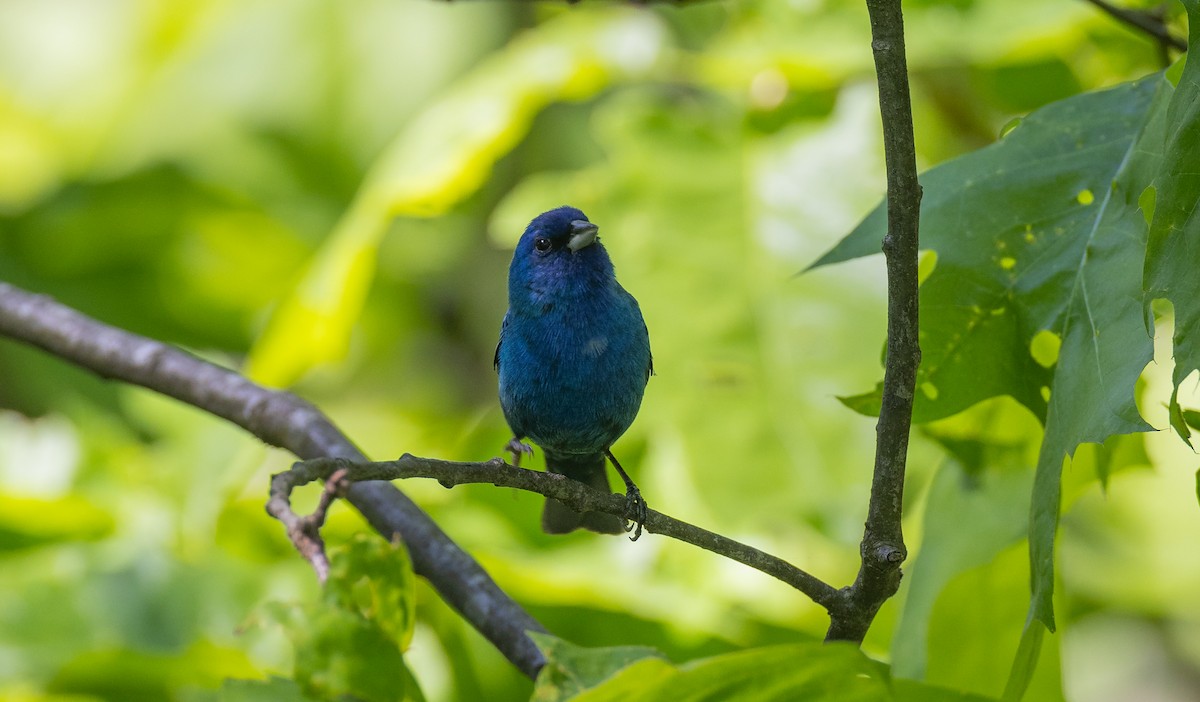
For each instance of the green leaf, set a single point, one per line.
(967, 524)
(982, 664)
(572, 669)
(867, 403)
(1177, 419)
(1173, 247)
(338, 653)
(799, 672)
(1183, 421)
(1025, 662)
(1105, 347)
(913, 691)
(375, 580)
(628, 682)
(1008, 271)
(29, 521)
(794, 672)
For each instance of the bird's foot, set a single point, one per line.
(636, 512)
(516, 448)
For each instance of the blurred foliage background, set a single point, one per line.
(326, 195)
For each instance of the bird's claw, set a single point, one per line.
(516, 448)
(636, 512)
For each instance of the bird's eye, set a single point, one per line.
(541, 244)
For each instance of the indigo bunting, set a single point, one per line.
(574, 360)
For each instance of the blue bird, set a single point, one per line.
(574, 360)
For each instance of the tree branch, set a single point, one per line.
(284, 420)
(882, 547)
(572, 492)
(1148, 21)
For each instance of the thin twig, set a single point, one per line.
(574, 493)
(284, 420)
(882, 547)
(1148, 21)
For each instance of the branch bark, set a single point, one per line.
(576, 494)
(882, 547)
(284, 420)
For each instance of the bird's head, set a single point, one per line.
(559, 250)
(561, 231)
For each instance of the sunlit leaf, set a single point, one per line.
(375, 579)
(444, 155)
(31, 158)
(28, 521)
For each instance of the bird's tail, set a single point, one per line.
(558, 518)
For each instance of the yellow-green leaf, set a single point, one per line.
(444, 155)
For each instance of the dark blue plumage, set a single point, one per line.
(573, 358)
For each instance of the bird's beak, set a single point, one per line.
(583, 234)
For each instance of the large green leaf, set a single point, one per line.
(1173, 249)
(966, 525)
(1020, 229)
(807, 671)
(1105, 344)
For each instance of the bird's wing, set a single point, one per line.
(496, 359)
